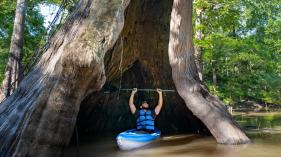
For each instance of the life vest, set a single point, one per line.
(145, 120)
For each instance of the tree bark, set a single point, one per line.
(13, 71)
(208, 108)
(38, 119)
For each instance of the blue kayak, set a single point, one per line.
(133, 138)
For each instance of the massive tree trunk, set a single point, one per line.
(143, 45)
(38, 119)
(205, 106)
(13, 71)
(208, 108)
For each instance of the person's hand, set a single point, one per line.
(134, 90)
(159, 90)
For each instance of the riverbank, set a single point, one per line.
(251, 106)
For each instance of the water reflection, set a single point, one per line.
(264, 130)
(260, 122)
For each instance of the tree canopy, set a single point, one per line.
(242, 42)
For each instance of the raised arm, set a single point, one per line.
(160, 102)
(131, 101)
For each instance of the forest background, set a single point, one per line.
(239, 43)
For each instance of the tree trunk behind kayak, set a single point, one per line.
(208, 108)
(38, 119)
(138, 59)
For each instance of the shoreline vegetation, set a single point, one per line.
(255, 107)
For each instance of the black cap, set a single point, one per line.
(143, 98)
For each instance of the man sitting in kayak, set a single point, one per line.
(145, 116)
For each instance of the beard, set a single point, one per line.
(144, 107)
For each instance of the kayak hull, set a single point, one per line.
(132, 139)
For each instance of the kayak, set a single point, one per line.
(133, 138)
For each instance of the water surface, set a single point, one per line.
(264, 129)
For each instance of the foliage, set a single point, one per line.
(243, 38)
(33, 29)
(35, 34)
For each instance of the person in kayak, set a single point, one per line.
(145, 116)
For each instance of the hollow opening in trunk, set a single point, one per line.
(138, 59)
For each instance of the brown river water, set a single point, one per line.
(264, 129)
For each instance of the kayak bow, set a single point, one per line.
(133, 138)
